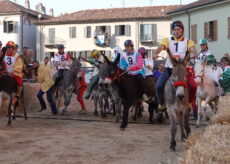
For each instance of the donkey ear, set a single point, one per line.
(117, 60)
(186, 59)
(174, 60)
(106, 59)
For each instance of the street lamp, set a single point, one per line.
(39, 20)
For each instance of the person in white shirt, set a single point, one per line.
(62, 62)
(147, 62)
(204, 50)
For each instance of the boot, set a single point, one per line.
(91, 87)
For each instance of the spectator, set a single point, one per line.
(225, 63)
(26, 57)
(35, 67)
(157, 73)
(81, 91)
(46, 83)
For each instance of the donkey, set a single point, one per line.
(68, 85)
(129, 89)
(176, 95)
(206, 91)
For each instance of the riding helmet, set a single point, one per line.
(177, 24)
(10, 44)
(203, 41)
(94, 53)
(60, 47)
(129, 43)
(142, 51)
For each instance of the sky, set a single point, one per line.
(69, 6)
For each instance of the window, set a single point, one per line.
(148, 32)
(52, 35)
(210, 30)
(228, 27)
(103, 30)
(194, 33)
(10, 27)
(123, 30)
(88, 32)
(72, 32)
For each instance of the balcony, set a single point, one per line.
(52, 43)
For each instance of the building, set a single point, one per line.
(208, 19)
(104, 29)
(17, 24)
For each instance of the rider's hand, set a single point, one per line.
(155, 56)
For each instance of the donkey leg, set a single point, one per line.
(15, 106)
(124, 122)
(68, 94)
(118, 106)
(187, 126)
(181, 120)
(199, 112)
(151, 109)
(9, 111)
(95, 105)
(172, 118)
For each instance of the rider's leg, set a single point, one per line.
(41, 100)
(19, 88)
(59, 77)
(80, 99)
(49, 95)
(160, 87)
(92, 84)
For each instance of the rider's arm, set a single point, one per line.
(139, 64)
(163, 46)
(123, 64)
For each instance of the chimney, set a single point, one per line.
(51, 12)
(40, 8)
(27, 4)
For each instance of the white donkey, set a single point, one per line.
(207, 90)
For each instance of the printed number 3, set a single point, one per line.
(9, 62)
(176, 44)
(130, 60)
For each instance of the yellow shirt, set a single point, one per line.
(44, 77)
(165, 42)
(18, 67)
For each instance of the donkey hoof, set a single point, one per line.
(173, 148)
(159, 117)
(122, 129)
(64, 112)
(95, 113)
(9, 124)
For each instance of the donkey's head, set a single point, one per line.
(199, 71)
(108, 71)
(76, 67)
(179, 73)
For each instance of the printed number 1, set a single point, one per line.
(176, 44)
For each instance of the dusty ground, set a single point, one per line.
(49, 141)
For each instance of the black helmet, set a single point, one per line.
(60, 46)
(177, 24)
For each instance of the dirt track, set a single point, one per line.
(41, 141)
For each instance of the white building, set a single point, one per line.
(83, 31)
(208, 19)
(17, 24)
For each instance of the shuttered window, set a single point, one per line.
(72, 32)
(88, 32)
(52, 35)
(194, 33)
(10, 27)
(228, 27)
(211, 30)
(148, 32)
(123, 30)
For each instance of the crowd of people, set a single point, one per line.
(134, 62)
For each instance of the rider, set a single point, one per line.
(95, 58)
(148, 62)
(178, 46)
(132, 62)
(204, 50)
(14, 66)
(62, 62)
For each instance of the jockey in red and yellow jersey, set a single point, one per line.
(14, 65)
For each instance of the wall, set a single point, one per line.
(218, 12)
(87, 44)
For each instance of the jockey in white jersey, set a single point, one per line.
(147, 62)
(178, 47)
(204, 50)
(62, 61)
